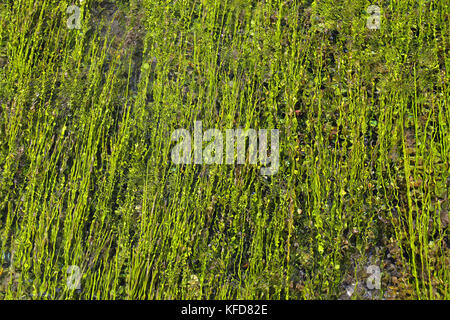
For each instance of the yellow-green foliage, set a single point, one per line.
(86, 177)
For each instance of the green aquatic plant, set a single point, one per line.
(93, 207)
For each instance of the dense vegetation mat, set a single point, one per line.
(93, 207)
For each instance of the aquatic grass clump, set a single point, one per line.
(93, 207)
